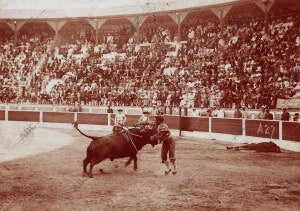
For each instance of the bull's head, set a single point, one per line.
(147, 133)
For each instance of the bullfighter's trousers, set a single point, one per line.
(168, 147)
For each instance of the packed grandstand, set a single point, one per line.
(247, 55)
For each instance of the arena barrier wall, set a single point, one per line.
(32, 116)
(262, 128)
(2, 115)
(195, 124)
(94, 119)
(270, 129)
(227, 126)
(131, 120)
(59, 117)
(173, 122)
(291, 131)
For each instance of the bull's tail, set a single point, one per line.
(82, 133)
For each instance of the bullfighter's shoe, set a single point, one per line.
(167, 166)
(174, 169)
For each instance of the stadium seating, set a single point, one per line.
(236, 62)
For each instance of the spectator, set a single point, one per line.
(244, 113)
(206, 113)
(195, 113)
(78, 107)
(210, 112)
(238, 113)
(120, 118)
(262, 113)
(285, 116)
(109, 110)
(219, 113)
(154, 111)
(145, 118)
(268, 115)
(296, 117)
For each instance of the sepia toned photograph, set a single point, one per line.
(149, 105)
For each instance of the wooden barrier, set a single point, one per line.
(262, 128)
(172, 122)
(291, 131)
(2, 115)
(195, 124)
(256, 128)
(32, 116)
(131, 120)
(95, 119)
(227, 126)
(59, 117)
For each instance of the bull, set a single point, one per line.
(259, 147)
(117, 145)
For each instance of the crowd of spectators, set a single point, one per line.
(252, 64)
(248, 63)
(18, 60)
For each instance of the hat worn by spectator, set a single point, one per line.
(120, 109)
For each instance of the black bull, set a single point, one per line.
(116, 146)
(259, 147)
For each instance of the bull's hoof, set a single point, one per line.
(174, 172)
(127, 163)
(101, 170)
(135, 169)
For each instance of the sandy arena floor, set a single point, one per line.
(209, 177)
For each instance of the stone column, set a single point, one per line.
(56, 25)
(221, 12)
(96, 24)
(16, 25)
(178, 18)
(137, 22)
